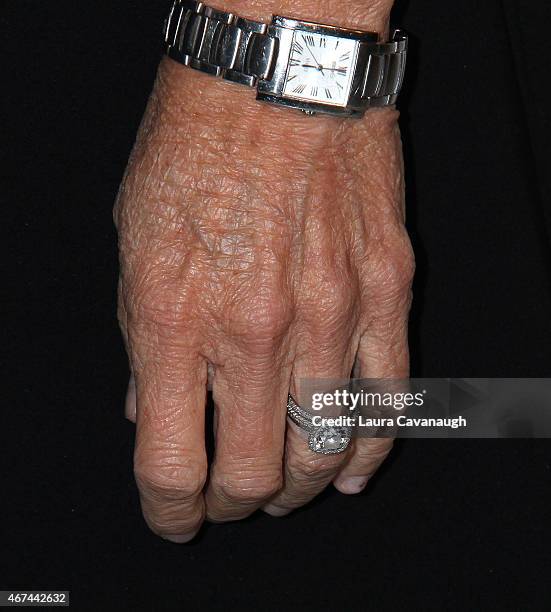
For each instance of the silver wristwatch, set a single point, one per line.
(299, 64)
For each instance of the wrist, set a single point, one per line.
(184, 98)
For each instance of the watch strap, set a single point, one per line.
(218, 42)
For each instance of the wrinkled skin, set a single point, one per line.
(261, 246)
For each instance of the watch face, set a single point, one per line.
(320, 68)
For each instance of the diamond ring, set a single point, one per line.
(327, 440)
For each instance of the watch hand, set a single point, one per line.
(320, 67)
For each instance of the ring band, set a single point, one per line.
(326, 440)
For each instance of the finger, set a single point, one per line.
(169, 459)
(328, 346)
(383, 353)
(250, 394)
(130, 401)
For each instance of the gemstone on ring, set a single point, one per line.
(329, 440)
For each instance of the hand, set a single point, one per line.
(265, 246)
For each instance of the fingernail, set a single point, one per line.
(180, 539)
(274, 510)
(351, 485)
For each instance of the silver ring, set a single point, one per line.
(327, 440)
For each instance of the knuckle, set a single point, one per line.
(335, 301)
(397, 266)
(246, 490)
(263, 320)
(175, 483)
(305, 468)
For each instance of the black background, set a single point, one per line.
(458, 525)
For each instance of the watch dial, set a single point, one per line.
(320, 68)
